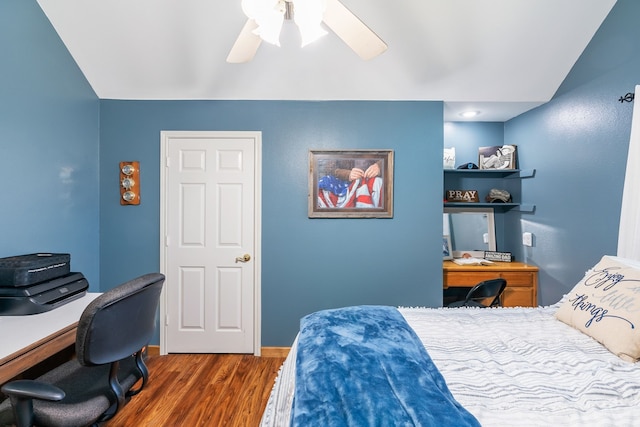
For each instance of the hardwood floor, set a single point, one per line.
(202, 390)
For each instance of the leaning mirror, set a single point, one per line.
(471, 231)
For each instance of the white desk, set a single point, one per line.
(28, 340)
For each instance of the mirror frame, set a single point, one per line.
(491, 229)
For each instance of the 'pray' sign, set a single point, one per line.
(468, 196)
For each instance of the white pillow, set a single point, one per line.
(605, 305)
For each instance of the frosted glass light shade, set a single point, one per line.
(308, 17)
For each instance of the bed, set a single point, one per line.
(571, 363)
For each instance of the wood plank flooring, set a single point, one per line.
(202, 390)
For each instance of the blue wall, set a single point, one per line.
(466, 137)
(308, 264)
(63, 145)
(49, 130)
(578, 145)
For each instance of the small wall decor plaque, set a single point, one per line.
(449, 158)
(498, 256)
(465, 196)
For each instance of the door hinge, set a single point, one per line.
(167, 161)
(166, 320)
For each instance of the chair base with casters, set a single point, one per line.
(484, 294)
(111, 336)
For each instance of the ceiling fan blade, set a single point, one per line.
(246, 45)
(353, 31)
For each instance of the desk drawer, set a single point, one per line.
(518, 296)
(471, 278)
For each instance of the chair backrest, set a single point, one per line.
(487, 293)
(119, 322)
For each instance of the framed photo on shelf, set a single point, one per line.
(350, 184)
(447, 253)
(497, 157)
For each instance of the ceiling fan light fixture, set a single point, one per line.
(308, 17)
(269, 28)
(269, 17)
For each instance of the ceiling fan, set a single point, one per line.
(263, 13)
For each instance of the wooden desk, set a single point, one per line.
(28, 340)
(522, 280)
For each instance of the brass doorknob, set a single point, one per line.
(243, 258)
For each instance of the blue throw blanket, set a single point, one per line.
(365, 366)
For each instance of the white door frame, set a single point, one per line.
(165, 137)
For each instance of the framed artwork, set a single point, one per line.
(350, 184)
(497, 157)
(447, 253)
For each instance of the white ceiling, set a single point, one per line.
(501, 57)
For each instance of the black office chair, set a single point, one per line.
(112, 333)
(484, 294)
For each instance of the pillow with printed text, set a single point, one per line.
(605, 305)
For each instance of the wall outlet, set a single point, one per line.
(527, 239)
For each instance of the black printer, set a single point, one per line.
(36, 283)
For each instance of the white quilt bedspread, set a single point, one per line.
(512, 367)
(522, 367)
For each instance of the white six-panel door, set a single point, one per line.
(210, 229)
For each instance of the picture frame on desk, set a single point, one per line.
(447, 253)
